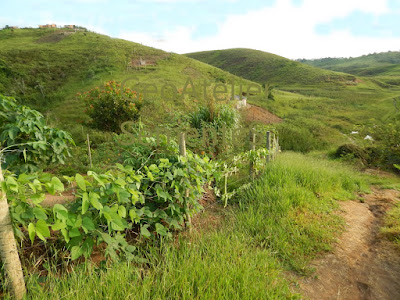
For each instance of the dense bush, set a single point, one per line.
(215, 125)
(219, 116)
(382, 151)
(153, 199)
(352, 151)
(26, 140)
(111, 106)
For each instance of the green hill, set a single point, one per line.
(263, 67)
(384, 66)
(45, 68)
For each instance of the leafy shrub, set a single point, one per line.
(223, 115)
(353, 151)
(384, 148)
(150, 201)
(109, 108)
(26, 140)
(213, 124)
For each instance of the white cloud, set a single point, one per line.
(283, 29)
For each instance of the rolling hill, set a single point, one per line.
(45, 68)
(263, 67)
(385, 66)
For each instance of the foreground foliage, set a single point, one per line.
(151, 200)
(244, 252)
(27, 140)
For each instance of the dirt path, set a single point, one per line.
(364, 265)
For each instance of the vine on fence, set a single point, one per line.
(109, 205)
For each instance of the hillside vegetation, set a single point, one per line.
(320, 107)
(385, 65)
(264, 67)
(46, 68)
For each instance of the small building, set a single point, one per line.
(48, 26)
(69, 26)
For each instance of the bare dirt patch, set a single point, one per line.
(254, 113)
(363, 265)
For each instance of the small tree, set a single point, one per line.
(109, 108)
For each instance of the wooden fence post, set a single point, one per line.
(268, 145)
(252, 147)
(8, 248)
(182, 152)
(89, 151)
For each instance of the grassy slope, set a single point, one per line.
(263, 67)
(45, 68)
(320, 107)
(385, 66)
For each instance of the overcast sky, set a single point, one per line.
(290, 28)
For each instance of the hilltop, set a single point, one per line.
(264, 67)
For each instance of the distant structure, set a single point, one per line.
(48, 26)
(240, 103)
(10, 27)
(69, 26)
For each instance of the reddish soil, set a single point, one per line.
(364, 264)
(65, 197)
(254, 113)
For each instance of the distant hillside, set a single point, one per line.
(45, 68)
(264, 67)
(378, 64)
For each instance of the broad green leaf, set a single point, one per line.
(118, 224)
(161, 230)
(80, 181)
(94, 200)
(42, 230)
(150, 175)
(120, 182)
(85, 203)
(58, 225)
(64, 232)
(144, 231)
(74, 232)
(135, 196)
(162, 194)
(134, 216)
(58, 185)
(76, 252)
(38, 198)
(12, 184)
(88, 224)
(122, 211)
(32, 232)
(39, 213)
(175, 224)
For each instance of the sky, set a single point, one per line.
(290, 28)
